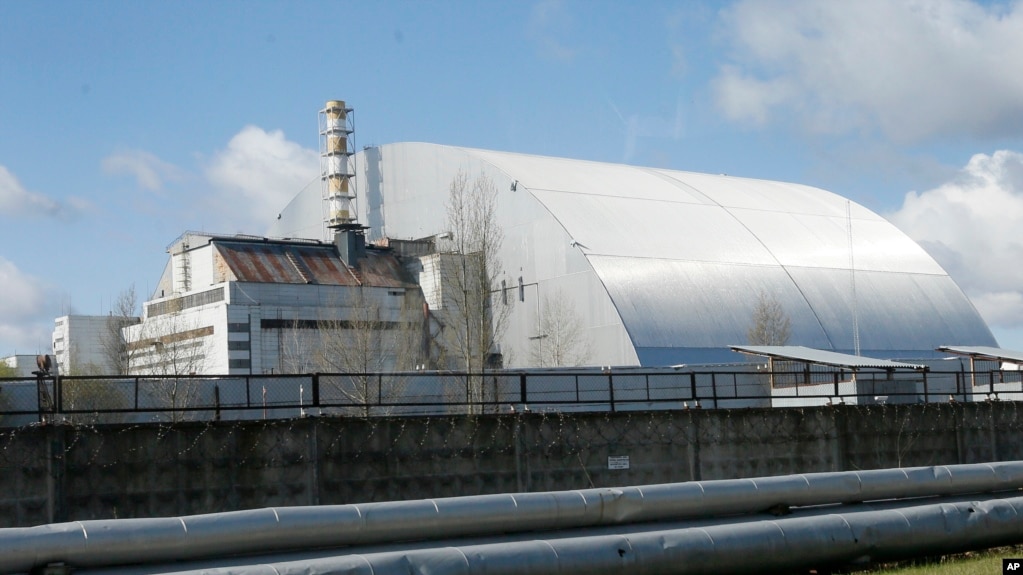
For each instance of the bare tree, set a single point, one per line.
(119, 355)
(476, 238)
(562, 340)
(84, 398)
(770, 324)
(474, 325)
(359, 334)
(298, 347)
(368, 335)
(175, 347)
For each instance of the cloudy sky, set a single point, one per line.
(124, 124)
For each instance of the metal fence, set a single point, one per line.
(101, 399)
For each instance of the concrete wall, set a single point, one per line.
(62, 473)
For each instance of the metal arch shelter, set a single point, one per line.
(665, 267)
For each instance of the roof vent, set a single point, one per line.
(350, 241)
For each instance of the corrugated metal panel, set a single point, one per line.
(893, 310)
(984, 352)
(669, 304)
(617, 226)
(797, 239)
(683, 304)
(823, 357)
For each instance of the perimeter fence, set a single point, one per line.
(140, 399)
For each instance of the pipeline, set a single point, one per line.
(90, 544)
(747, 546)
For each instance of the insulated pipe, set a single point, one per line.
(113, 542)
(814, 539)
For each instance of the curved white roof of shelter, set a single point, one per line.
(683, 256)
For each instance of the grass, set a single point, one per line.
(987, 562)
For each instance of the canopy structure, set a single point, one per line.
(801, 354)
(807, 358)
(664, 267)
(983, 353)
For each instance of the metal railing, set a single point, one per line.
(116, 399)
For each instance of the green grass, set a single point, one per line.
(987, 562)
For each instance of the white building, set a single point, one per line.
(81, 343)
(241, 305)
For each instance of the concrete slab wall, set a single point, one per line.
(63, 473)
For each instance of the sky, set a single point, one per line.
(124, 124)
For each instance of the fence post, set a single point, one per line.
(44, 402)
(58, 393)
(316, 390)
(216, 402)
(926, 394)
(522, 388)
(611, 390)
(692, 385)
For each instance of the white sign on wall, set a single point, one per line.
(617, 461)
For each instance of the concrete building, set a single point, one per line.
(662, 267)
(242, 304)
(81, 343)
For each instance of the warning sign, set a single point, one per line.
(618, 462)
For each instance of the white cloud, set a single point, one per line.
(258, 174)
(973, 226)
(548, 22)
(639, 126)
(910, 70)
(16, 200)
(149, 171)
(23, 318)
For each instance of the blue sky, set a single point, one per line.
(124, 124)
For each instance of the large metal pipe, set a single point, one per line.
(113, 542)
(817, 538)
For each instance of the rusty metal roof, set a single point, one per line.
(298, 263)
